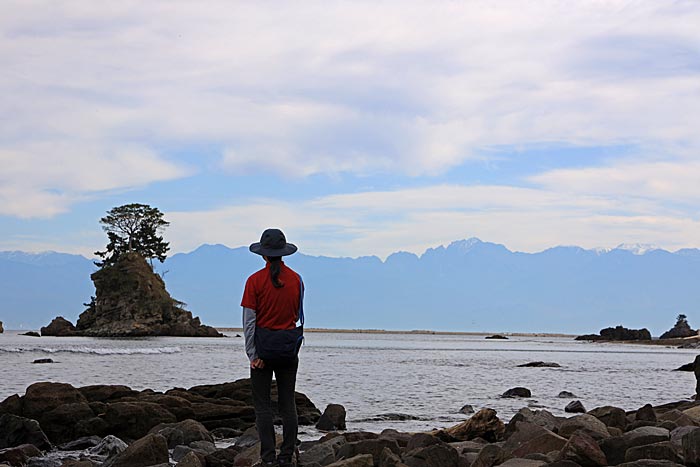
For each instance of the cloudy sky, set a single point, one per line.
(357, 127)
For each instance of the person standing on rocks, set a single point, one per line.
(272, 303)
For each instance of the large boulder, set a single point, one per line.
(368, 446)
(435, 455)
(691, 448)
(15, 431)
(59, 327)
(664, 450)
(490, 455)
(361, 460)
(483, 424)
(131, 300)
(610, 416)
(323, 453)
(541, 418)
(583, 450)
(528, 438)
(680, 330)
(150, 450)
(184, 432)
(332, 419)
(585, 422)
(616, 447)
(41, 398)
(19, 455)
(134, 419)
(517, 392)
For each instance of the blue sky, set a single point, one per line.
(357, 127)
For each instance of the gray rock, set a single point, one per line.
(15, 431)
(190, 460)
(650, 463)
(646, 414)
(150, 450)
(566, 395)
(583, 450)
(616, 447)
(389, 459)
(466, 409)
(575, 407)
(520, 462)
(367, 446)
(322, 453)
(490, 455)
(664, 450)
(610, 416)
(435, 455)
(529, 438)
(110, 446)
(81, 444)
(184, 432)
(678, 434)
(332, 419)
(517, 392)
(585, 422)
(541, 418)
(691, 448)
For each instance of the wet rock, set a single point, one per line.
(59, 327)
(586, 422)
(16, 431)
(401, 439)
(31, 334)
(225, 433)
(421, 440)
(361, 460)
(615, 448)
(540, 365)
(610, 416)
(42, 360)
(222, 457)
(691, 448)
(68, 422)
(12, 405)
(646, 414)
(582, 449)
(106, 393)
(108, 447)
(575, 407)
(566, 395)
(484, 424)
(41, 398)
(664, 450)
(435, 455)
(517, 392)
(490, 455)
(80, 444)
(528, 438)
(184, 432)
(332, 419)
(466, 409)
(496, 336)
(150, 450)
(368, 446)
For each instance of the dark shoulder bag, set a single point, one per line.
(273, 344)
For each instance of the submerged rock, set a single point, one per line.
(43, 360)
(566, 395)
(517, 392)
(575, 407)
(332, 419)
(540, 365)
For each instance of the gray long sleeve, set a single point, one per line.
(249, 333)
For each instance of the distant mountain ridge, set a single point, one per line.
(468, 285)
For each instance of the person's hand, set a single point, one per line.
(257, 364)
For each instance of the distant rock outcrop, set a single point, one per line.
(679, 330)
(131, 301)
(618, 333)
(1, 328)
(59, 327)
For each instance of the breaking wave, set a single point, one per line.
(95, 350)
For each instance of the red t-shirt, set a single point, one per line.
(275, 308)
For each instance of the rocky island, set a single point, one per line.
(131, 301)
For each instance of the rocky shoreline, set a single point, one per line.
(58, 425)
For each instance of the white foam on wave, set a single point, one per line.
(95, 350)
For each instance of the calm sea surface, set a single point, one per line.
(426, 377)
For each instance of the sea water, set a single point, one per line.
(409, 382)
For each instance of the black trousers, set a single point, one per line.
(285, 371)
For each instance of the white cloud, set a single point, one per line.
(411, 87)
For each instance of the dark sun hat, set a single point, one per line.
(273, 243)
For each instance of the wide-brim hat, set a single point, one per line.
(273, 243)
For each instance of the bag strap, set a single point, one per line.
(301, 300)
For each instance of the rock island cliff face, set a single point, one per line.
(131, 301)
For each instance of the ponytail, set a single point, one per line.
(275, 268)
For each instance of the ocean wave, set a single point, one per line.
(95, 350)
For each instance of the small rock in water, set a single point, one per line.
(333, 418)
(566, 395)
(31, 334)
(575, 407)
(43, 360)
(496, 336)
(517, 392)
(541, 365)
(466, 409)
